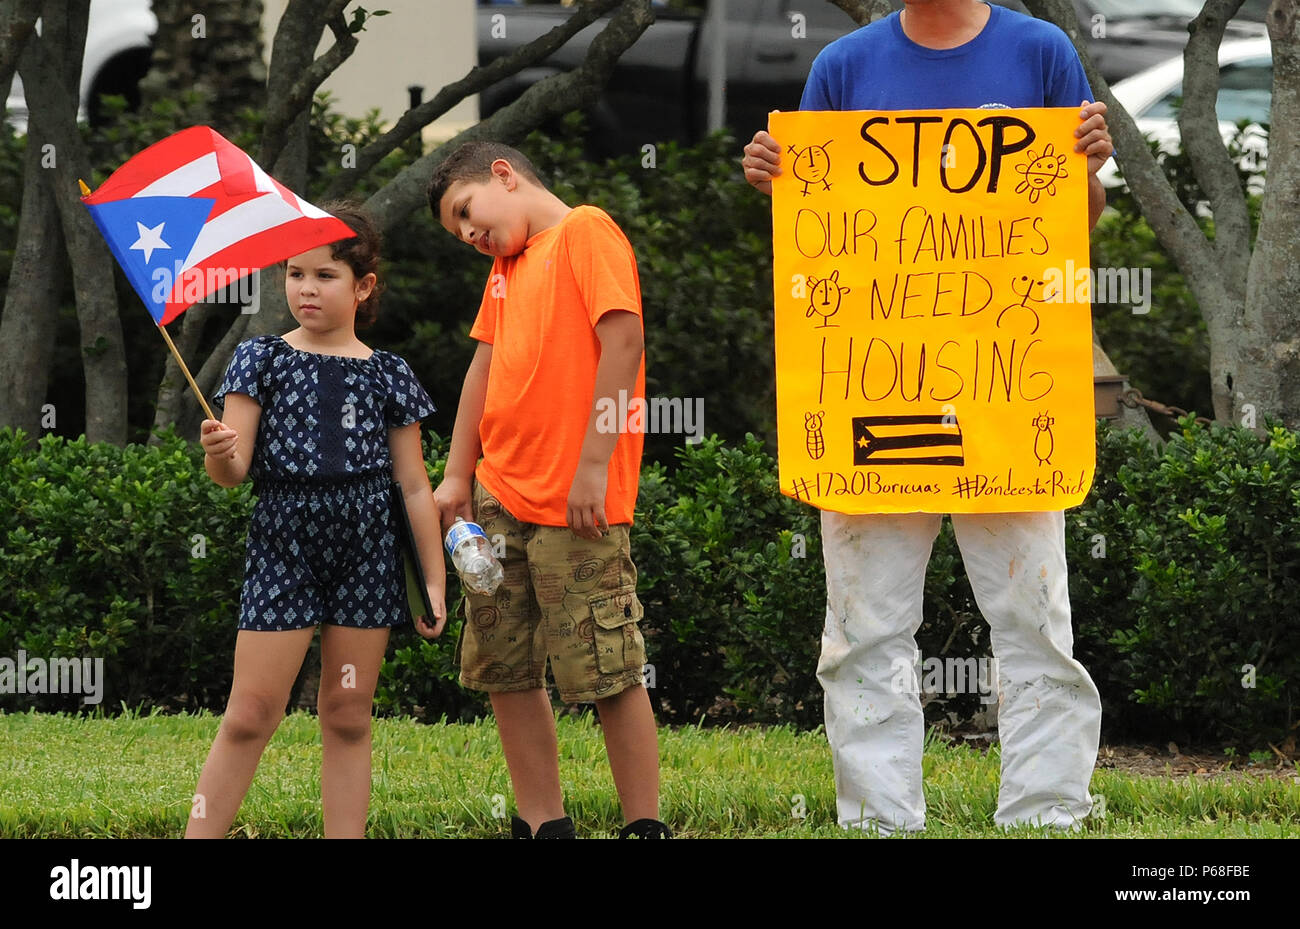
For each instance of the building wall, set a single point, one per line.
(426, 42)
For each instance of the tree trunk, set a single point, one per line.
(17, 23)
(1266, 340)
(31, 309)
(216, 52)
(1220, 284)
(51, 89)
(864, 11)
(296, 73)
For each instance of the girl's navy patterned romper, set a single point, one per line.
(322, 545)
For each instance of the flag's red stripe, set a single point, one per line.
(221, 195)
(224, 202)
(214, 191)
(258, 251)
(237, 183)
(154, 162)
(236, 171)
(278, 243)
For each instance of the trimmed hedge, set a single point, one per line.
(1188, 621)
(1184, 576)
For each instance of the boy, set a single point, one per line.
(952, 53)
(559, 329)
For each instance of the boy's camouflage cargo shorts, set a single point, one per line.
(565, 598)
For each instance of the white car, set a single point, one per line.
(1245, 93)
(117, 55)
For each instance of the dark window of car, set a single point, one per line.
(1253, 10)
(1245, 92)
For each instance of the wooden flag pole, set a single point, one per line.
(181, 361)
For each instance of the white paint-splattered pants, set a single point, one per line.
(1049, 712)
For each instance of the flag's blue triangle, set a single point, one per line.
(151, 237)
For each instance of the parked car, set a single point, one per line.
(1245, 95)
(659, 89)
(118, 51)
(1126, 37)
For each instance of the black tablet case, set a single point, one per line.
(417, 594)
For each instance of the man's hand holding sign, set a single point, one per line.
(924, 324)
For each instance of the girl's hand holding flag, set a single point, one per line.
(218, 439)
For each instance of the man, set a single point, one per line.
(947, 54)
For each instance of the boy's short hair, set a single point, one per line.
(472, 162)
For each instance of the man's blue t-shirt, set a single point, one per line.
(1015, 61)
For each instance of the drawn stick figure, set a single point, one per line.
(812, 164)
(1025, 299)
(824, 298)
(1044, 444)
(815, 442)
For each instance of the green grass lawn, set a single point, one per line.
(68, 776)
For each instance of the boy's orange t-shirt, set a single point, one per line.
(539, 313)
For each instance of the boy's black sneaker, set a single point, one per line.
(645, 829)
(554, 829)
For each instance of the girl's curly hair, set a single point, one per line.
(360, 253)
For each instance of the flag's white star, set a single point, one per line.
(149, 240)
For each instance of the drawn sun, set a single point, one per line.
(1041, 173)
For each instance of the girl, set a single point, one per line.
(334, 422)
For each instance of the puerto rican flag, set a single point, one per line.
(192, 214)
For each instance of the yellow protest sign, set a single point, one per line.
(931, 353)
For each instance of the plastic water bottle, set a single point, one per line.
(472, 555)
